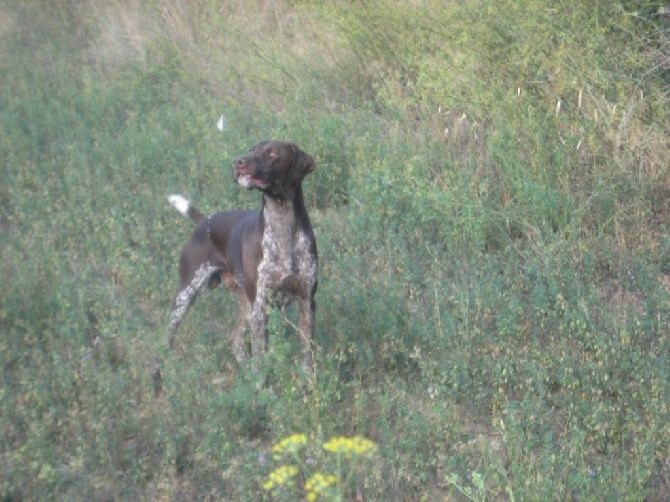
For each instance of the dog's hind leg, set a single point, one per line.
(187, 296)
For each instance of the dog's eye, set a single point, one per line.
(272, 154)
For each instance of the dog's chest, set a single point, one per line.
(288, 266)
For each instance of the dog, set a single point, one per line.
(265, 256)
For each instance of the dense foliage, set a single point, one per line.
(491, 203)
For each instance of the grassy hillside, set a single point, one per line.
(491, 203)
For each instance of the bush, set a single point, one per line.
(490, 204)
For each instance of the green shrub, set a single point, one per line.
(490, 204)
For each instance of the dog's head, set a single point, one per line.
(275, 167)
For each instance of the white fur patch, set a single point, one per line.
(180, 203)
(244, 180)
(248, 181)
(187, 295)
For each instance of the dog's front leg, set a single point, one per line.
(258, 320)
(238, 343)
(307, 309)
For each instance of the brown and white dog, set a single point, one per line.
(264, 256)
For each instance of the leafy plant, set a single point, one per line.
(490, 204)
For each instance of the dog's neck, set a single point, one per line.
(283, 216)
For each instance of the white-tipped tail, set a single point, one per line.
(180, 203)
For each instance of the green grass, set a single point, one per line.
(494, 290)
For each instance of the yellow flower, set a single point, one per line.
(316, 484)
(318, 481)
(355, 445)
(280, 476)
(290, 444)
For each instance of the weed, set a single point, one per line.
(490, 204)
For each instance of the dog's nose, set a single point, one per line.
(240, 167)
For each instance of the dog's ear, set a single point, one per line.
(302, 161)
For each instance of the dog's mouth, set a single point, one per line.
(249, 181)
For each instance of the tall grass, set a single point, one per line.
(491, 209)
